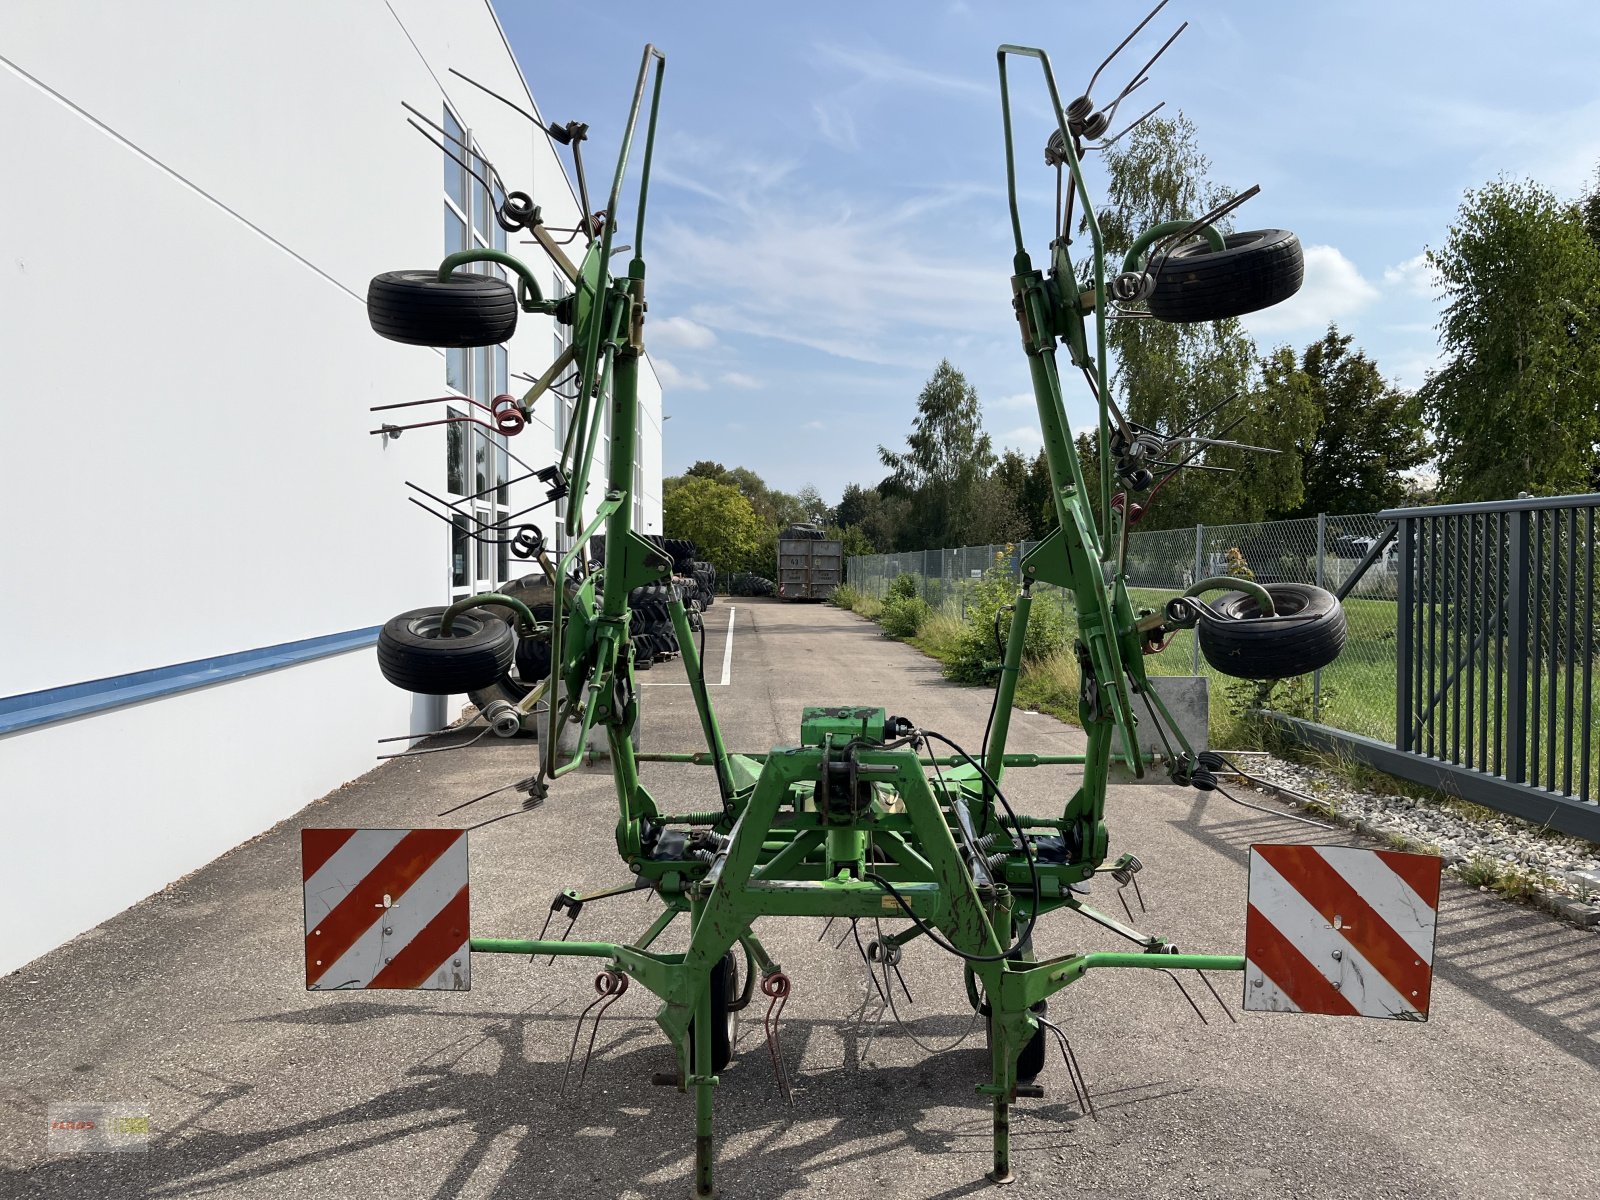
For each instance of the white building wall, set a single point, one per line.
(199, 194)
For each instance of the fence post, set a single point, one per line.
(1517, 649)
(1316, 677)
(1404, 652)
(1199, 550)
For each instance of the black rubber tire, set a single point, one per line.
(1307, 633)
(724, 1020)
(413, 656)
(1254, 270)
(533, 654)
(1031, 1061)
(414, 308)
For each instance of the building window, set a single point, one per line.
(478, 463)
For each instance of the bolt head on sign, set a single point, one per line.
(386, 908)
(1340, 930)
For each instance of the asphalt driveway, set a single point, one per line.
(193, 1001)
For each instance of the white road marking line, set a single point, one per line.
(727, 663)
(727, 650)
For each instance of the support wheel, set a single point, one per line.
(412, 655)
(415, 308)
(1252, 271)
(1306, 634)
(724, 1017)
(1031, 1061)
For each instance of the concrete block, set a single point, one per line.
(1576, 911)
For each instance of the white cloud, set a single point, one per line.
(835, 123)
(1414, 277)
(1022, 437)
(1333, 290)
(1015, 402)
(1558, 149)
(879, 67)
(672, 377)
(1410, 370)
(813, 425)
(854, 285)
(676, 332)
(738, 379)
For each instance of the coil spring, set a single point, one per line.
(507, 414)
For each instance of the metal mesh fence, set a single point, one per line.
(1355, 694)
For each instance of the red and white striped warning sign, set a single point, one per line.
(386, 908)
(1340, 930)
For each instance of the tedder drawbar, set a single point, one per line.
(867, 815)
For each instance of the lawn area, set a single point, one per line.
(1356, 694)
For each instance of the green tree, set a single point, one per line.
(717, 518)
(946, 460)
(1589, 206)
(1369, 432)
(1027, 486)
(812, 504)
(879, 518)
(1516, 407)
(856, 542)
(1167, 376)
(771, 505)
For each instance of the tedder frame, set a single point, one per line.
(866, 815)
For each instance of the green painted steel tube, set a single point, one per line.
(702, 1079)
(1006, 687)
(846, 846)
(533, 947)
(462, 257)
(657, 927)
(1160, 962)
(486, 598)
(700, 758)
(1166, 229)
(702, 699)
(1233, 584)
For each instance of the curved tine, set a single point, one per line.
(441, 749)
(1213, 991)
(488, 186)
(1194, 227)
(860, 949)
(1075, 1076)
(576, 1034)
(1111, 112)
(902, 979)
(1121, 45)
(1125, 907)
(417, 737)
(1140, 76)
(1186, 995)
(485, 796)
(777, 987)
(1107, 143)
(610, 992)
(513, 107)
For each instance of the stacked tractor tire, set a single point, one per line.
(745, 583)
(654, 637)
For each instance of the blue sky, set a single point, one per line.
(828, 217)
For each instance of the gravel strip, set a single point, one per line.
(1553, 866)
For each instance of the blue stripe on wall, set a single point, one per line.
(79, 699)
